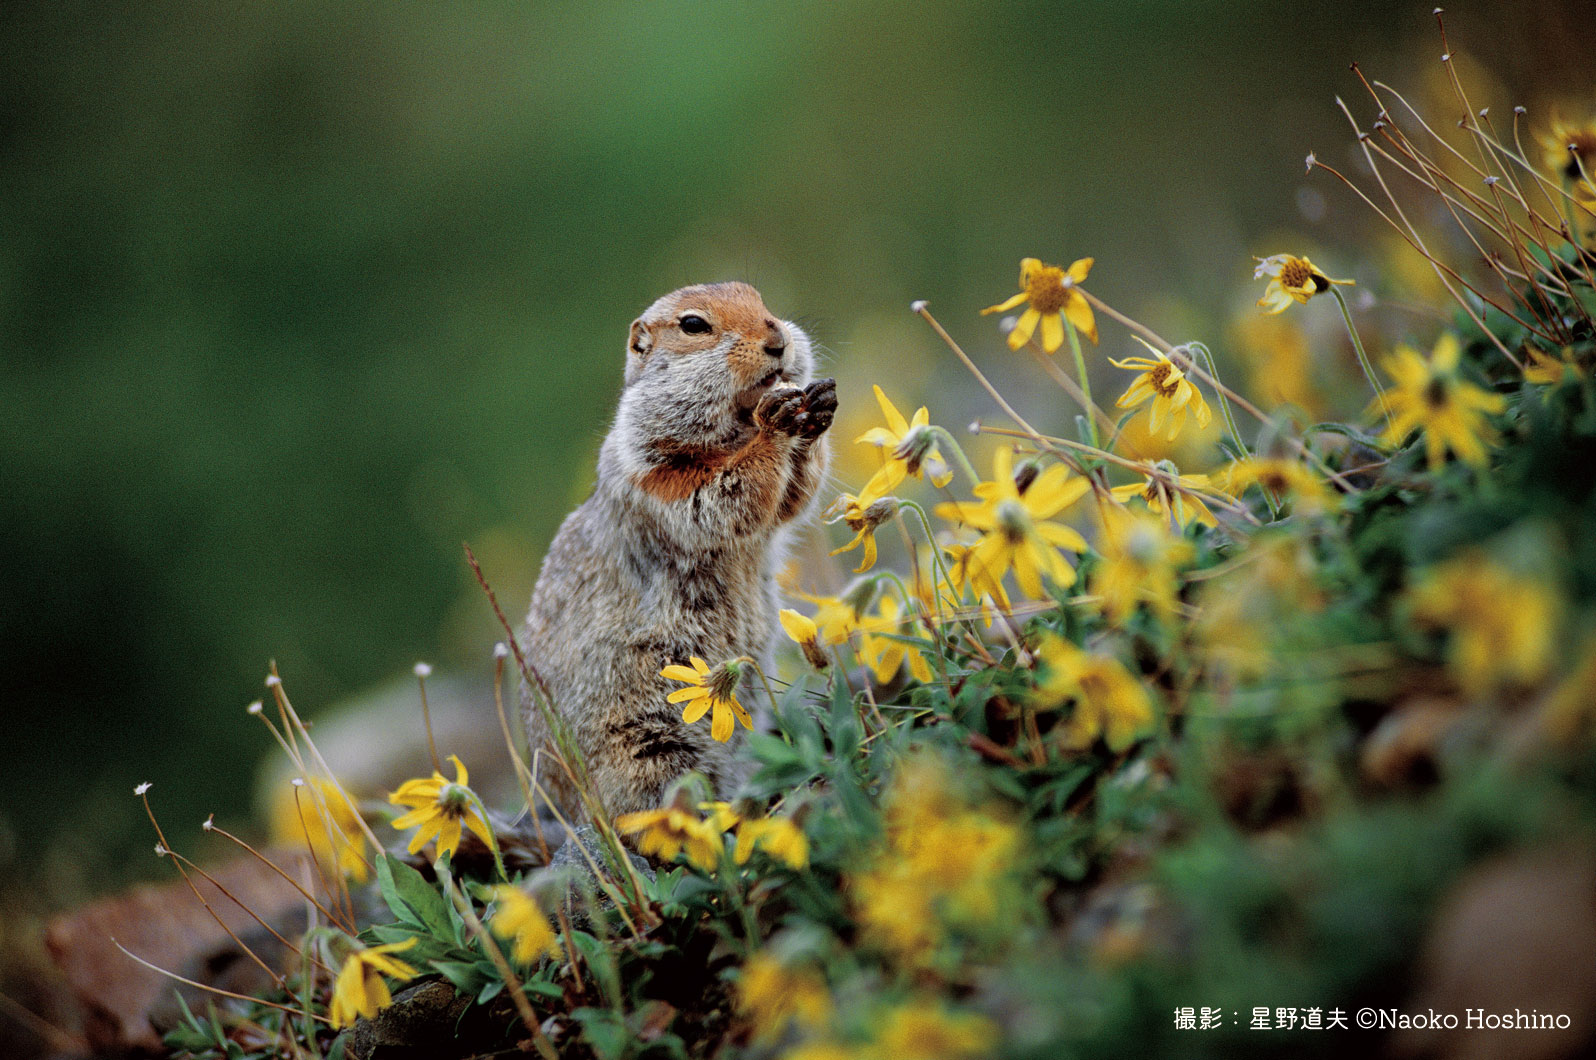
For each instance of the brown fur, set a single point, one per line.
(717, 446)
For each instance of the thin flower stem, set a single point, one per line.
(1086, 382)
(923, 311)
(225, 834)
(1224, 401)
(943, 437)
(1363, 358)
(760, 670)
(523, 775)
(426, 717)
(1196, 369)
(487, 826)
(1571, 218)
(212, 989)
(540, 1040)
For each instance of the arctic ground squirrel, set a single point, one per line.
(718, 446)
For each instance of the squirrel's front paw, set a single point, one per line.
(798, 413)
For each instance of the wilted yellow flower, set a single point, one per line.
(1052, 292)
(333, 837)
(709, 689)
(1017, 533)
(773, 995)
(885, 654)
(1291, 279)
(923, 1029)
(907, 448)
(1109, 701)
(1167, 387)
(1570, 149)
(517, 918)
(1430, 395)
(806, 635)
(1186, 501)
(863, 517)
(1139, 557)
(1285, 479)
(1503, 625)
(780, 837)
(669, 831)
(359, 989)
(440, 807)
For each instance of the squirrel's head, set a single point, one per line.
(714, 343)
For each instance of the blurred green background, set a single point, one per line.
(297, 297)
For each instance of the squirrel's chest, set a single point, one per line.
(726, 590)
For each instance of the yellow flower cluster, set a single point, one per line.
(360, 989)
(438, 810)
(1109, 701)
(944, 866)
(1502, 624)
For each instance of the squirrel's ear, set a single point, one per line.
(641, 339)
(638, 345)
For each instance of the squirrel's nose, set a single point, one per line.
(776, 342)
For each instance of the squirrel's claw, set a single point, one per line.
(798, 413)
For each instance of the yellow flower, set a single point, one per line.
(1164, 384)
(1109, 701)
(1284, 479)
(1291, 279)
(440, 808)
(1571, 707)
(323, 821)
(839, 617)
(1547, 370)
(360, 990)
(1569, 149)
(1279, 362)
(1242, 612)
(1503, 625)
(1186, 500)
(924, 1030)
(773, 995)
(1432, 396)
(707, 689)
(1139, 557)
(907, 448)
(806, 635)
(863, 518)
(669, 831)
(777, 836)
(518, 918)
(1053, 293)
(885, 655)
(723, 817)
(1017, 534)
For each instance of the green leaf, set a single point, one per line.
(466, 978)
(604, 1031)
(411, 898)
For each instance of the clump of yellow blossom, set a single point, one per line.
(710, 690)
(1240, 613)
(518, 919)
(1166, 386)
(1109, 701)
(779, 837)
(1433, 397)
(923, 1029)
(773, 994)
(317, 814)
(1291, 279)
(1138, 561)
(360, 990)
(1284, 480)
(672, 830)
(908, 447)
(945, 866)
(438, 810)
(1053, 294)
(1017, 534)
(1503, 624)
(1570, 711)
(1546, 370)
(1169, 489)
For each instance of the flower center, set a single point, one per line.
(1295, 274)
(1581, 148)
(1165, 378)
(1045, 289)
(722, 680)
(1013, 521)
(1435, 395)
(454, 800)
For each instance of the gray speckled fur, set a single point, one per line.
(715, 450)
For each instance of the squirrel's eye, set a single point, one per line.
(693, 324)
